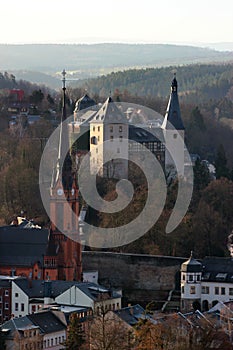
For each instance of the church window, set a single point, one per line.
(223, 291)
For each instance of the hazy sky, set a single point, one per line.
(74, 21)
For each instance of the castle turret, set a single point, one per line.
(173, 128)
(191, 284)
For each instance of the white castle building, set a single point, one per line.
(204, 284)
(108, 130)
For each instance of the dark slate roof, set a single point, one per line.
(217, 269)
(173, 115)
(40, 288)
(131, 314)
(83, 103)
(143, 134)
(19, 323)
(22, 247)
(47, 322)
(109, 113)
(191, 265)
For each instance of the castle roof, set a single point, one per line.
(191, 265)
(109, 113)
(172, 117)
(83, 103)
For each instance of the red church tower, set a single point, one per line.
(63, 260)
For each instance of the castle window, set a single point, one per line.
(182, 289)
(6, 293)
(98, 128)
(175, 136)
(111, 128)
(16, 307)
(111, 138)
(120, 137)
(230, 291)
(223, 291)
(205, 290)
(216, 290)
(120, 128)
(93, 140)
(93, 128)
(190, 277)
(192, 290)
(183, 277)
(198, 277)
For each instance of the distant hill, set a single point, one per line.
(199, 82)
(84, 60)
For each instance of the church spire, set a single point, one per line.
(173, 115)
(63, 170)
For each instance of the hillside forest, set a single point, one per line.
(206, 101)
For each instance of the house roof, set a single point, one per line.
(109, 113)
(217, 269)
(39, 288)
(22, 246)
(47, 322)
(131, 314)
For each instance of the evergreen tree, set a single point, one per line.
(76, 335)
(201, 175)
(2, 341)
(221, 164)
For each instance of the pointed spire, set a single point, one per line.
(64, 162)
(64, 95)
(173, 115)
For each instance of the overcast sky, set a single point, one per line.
(74, 21)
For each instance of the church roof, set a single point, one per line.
(172, 117)
(109, 113)
(22, 247)
(191, 265)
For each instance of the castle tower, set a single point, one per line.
(172, 126)
(191, 284)
(109, 124)
(63, 259)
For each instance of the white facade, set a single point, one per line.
(206, 289)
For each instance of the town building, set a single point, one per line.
(205, 283)
(43, 330)
(30, 296)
